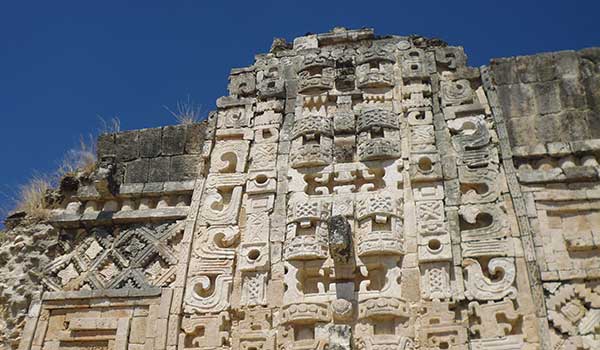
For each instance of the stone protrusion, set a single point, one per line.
(340, 239)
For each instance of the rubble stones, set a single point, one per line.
(24, 253)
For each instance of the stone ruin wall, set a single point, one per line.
(352, 192)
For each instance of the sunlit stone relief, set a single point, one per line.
(351, 192)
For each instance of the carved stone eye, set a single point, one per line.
(434, 245)
(425, 164)
(261, 179)
(254, 254)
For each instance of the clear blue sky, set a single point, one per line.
(64, 63)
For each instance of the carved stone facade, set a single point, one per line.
(352, 192)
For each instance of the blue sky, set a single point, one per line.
(64, 64)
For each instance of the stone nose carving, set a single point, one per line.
(340, 239)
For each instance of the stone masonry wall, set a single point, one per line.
(551, 97)
(351, 192)
(171, 153)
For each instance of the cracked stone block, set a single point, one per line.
(136, 171)
(150, 142)
(127, 146)
(173, 140)
(185, 167)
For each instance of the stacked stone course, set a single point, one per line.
(351, 192)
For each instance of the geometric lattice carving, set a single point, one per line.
(126, 256)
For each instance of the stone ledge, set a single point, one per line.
(140, 188)
(124, 216)
(104, 293)
(556, 149)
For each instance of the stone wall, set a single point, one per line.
(550, 97)
(351, 192)
(171, 153)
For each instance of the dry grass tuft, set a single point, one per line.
(78, 161)
(81, 158)
(30, 198)
(112, 126)
(186, 111)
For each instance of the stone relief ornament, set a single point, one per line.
(128, 256)
(229, 157)
(242, 84)
(499, 285)
(208, 293)
(456, 92)
(223, 199)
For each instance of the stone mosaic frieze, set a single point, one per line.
(351, 192)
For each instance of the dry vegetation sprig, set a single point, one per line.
(112, 126)
(186, 111)
(30, 198)
(80, 159)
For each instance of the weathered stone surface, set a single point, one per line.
(551, 96)
(24, 253)
(150, 142)
(137, 171)
(106, 145)
(173, 140)
(194, 138)
(185, 167)
(159, 169)
(340, 239)
(127, 146)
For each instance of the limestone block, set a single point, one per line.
(150, 142)
(137, 171)
(127, 146)
(173, 140)
(185, 167)
(159, 169)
